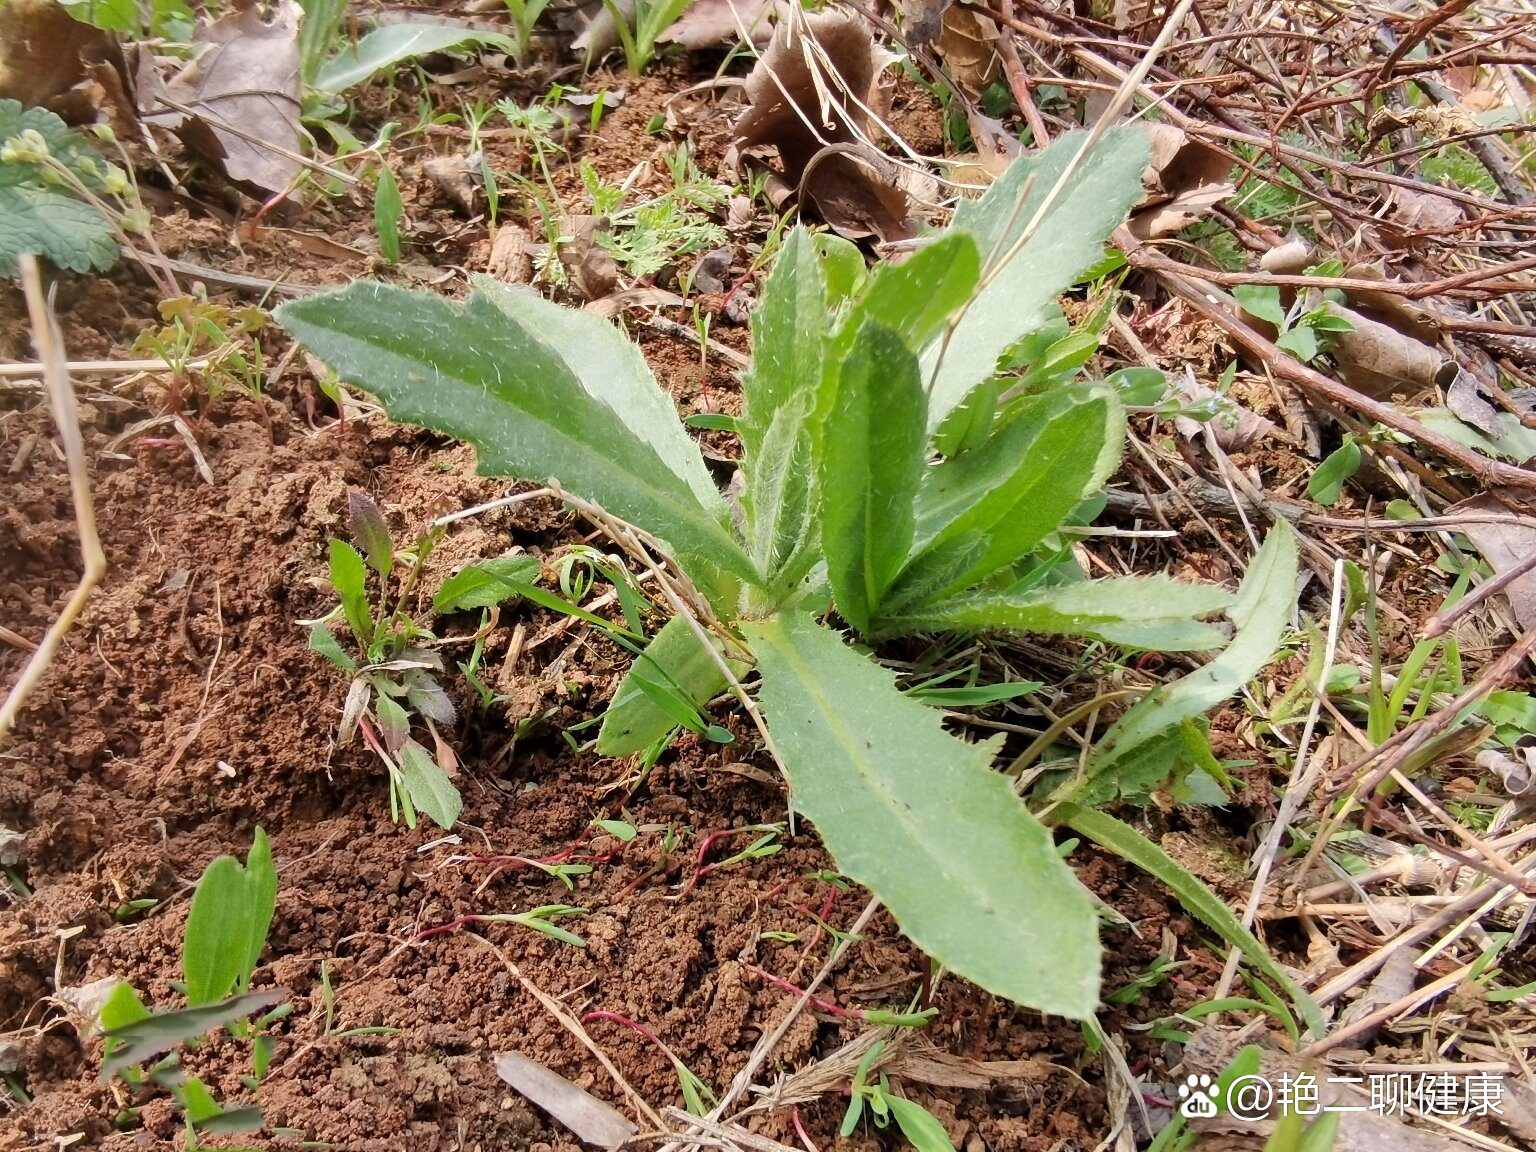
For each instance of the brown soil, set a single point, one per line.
(184, 710)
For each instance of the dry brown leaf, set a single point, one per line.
(1516, 772)
(1378, 360)
(644, 296)
(41, 49)
(1416, 211)
(458, 176)
(921, 20)
(591, 267)
(849, 184)
(247, 78)
(589, 1118)
(968, 44)
(712, 271)
(713, 23)
(1504, 538)
(510, 259)
(1235, 429)
(1183, 181)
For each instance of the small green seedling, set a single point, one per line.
(525, 14)
(652, 18)
(226, 931)
(1306, 329)
(214, 345)
(920, 1126)
(388, 209)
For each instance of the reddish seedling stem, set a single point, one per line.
(824, 1005)
(637, 1028)
(810, 1145)
(700, 869)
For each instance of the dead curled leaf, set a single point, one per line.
(593, 1121)
(1184, 180)
(241, 95)
(591, 267)
(807, 98)
(713, 23)
(1504, 538)
(968, 44)
(1378, 360)
(44, 53)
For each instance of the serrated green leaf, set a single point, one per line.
(390, 45)
(870, 469)
(474, 372)
(349, 576)
(916, 297)
(1017, 488)
(614, 373)
(1265, 601)
(788, 341)
(635, 719)
(51, 223)
(227, 925)
(1069, 240)
(486, 583)
(152, 1035)
(430, 789)
(1155, 613)
(323, 642)
(920, 819)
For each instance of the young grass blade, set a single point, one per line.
(1015, 489)
(227, 925)
(1155, 613)
(1131, 846)
(1068, 241)
(920, 819)
(869, 470)
(473, 372)
(1265, 601)
(149, 1037)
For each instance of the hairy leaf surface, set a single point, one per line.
(920, 819)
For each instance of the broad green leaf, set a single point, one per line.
(634, 720)
(1265, 601)
(1263, 301)
(1328, 479)
(788, 340)
(1068, 241)
(486, 583)
(430, 789)
(321, 20)
(1018, 487)
(143, 1039)
(613, 372)
(920, 819)
(870, 469)
(246, 1119)
(349, 577)
(121, 1008)
(1130, 845)
(227, 925)
(474, 372)
(50, 222)
(1155, 613)
(196, 1101)
(842, 267)
(390, 45)
(916, 297)
(388, 207)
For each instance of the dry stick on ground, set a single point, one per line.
(61, 400)
(1184, 282)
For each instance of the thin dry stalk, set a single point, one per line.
(66, 417)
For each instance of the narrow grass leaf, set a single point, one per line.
(920, 819)
(636, 719)
(868, 476)
(1155, 613)
(163, 1031)
(473, 372)
(227, 924)
(1069, 241)
(1130, 845)
(388, 208)
(486, 583)
(1265, 601)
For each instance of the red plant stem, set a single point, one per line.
(810, 1145)
(637, 1028)
(700, 869)
(824, 1005)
